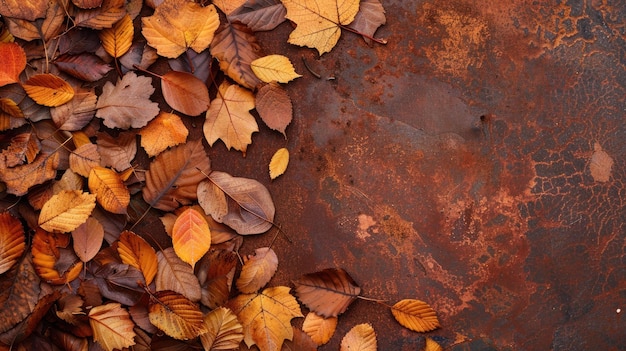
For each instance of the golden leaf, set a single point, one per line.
(117, 40)
(175, 275)
(87, 239)
(166, 130)
(185, 93)
(13, 60)
(12, 241)
(224, 332)
(328, 292)
(177, 25)
(136, 252)
(191, 236)
(274, 68)
(46, 255)
(320, 329)
(432, 345)
(9, 107)
(66, 210)
(319, 22)
(279, 162)
(415, 315)
(112, 326)
(360, 338)
(48, 90)
(176, 315)
(110, 191)
(257, 270)
(228, 6)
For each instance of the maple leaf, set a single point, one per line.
(319, 22)
(235, 47)
(229, 118)
(260, 15)
(112, 326)
(127, 104)
(13, 63)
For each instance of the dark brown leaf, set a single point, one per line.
(85, 66)
(328, 292)
(119, 282)
(23, 149)
(260, 15)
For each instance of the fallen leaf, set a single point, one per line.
(112, 326)
(274, 107)
(215, 272)
(371, 15)
(360, 338)
(87, 4)
(55, 265)
(328, 292)
(117, 40)
(260, 15)
(177, 25)
(77, 113)
(257, 270)
(175, 275)
(415, 315)
(191, 236)
(432, 345)
(19, 179)
(23, 149)
(86, 66)
(266, 317)
(84, 158)
(176, 315)
(67, 341)
(45, 30)
(66, 210)
(136, 252)
(198, 64)
(228, 6)
(21, 298)
(25, 328)
(229, 118)
(69, 181)
(224, 332)
(104, 16)
(110, 191)
(300, 342)
(13, 60)
(127, 104)
(234, 46)
(29, 10)
(12, 241)
(48, 90)
(279, 162)
(185, 93)
(10, 108)
(319, 23)
(274, 68)
(319, 328)
(140, 55)
(87, 239)
(117, 281)
(119, 151)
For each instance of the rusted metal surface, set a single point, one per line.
(476, 162)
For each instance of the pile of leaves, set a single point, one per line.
(77, 116)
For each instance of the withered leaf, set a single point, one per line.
(85, 66)
(300, 342)
(48, 90)
(66, 210)
(224, 332)
(166, 130)
(28, 325)
(371, 15)
(215, 272)
(21, 296)
(117, 40)
(110, 191)
(176, 315)
(274, 107)
(112, 326)
(45, 29)
(328, 292)
(140, 54)
(13, 62)
(257, 270)
(87, 239)
(84, 158)
(136, 252)
(10, 108)
(104, 16)
(77, 113)
(319, 328)
(87, 4)
(119, 151)
(360, 338)
(260, 15)
(69, 308)
(119, 282)
(29, 10)
(175, 275)
(415, 315)
(235, 47)
(19, 179)
(67, 341)
(185, 93)
(23, 149)
(12, 241)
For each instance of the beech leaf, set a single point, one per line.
(66, 210)
(319, 328)
(136, 252)
(274, 107)
(166, 130)
(117, 40)
(191, 236)
(22, 298)
(260, 15)
(234, 46)
(12, 241)
(274, 68)
(85, 66)
(185, 93)
(360, 338)
(110, 191)
(224, 332)
(279, 162)
(48, 90)
(176, 315)
(119, 151)
(415, 315)
(112, 326)
(13, 60)
(175, 275)
(257, 270)
(87, 239)
(328, 292)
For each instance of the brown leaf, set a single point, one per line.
(29, 10)
(175, 275)
(319, 328)
(274, 107)
(48, 90)
(173, 176)
(136, 252)
(257, 270)
(300, 342)
(415, 315)
(86, 66)
(20, 297)
(110, 191)
(195, 63)
(31, 323)
(77, 113)
(84, 158)
(87, 4)
(328, 292)
(185, 93)
(235, 47)
(140, 55)
(13, 60)
(176, 316)
(360, 338)
(227, 6)
(23, 149)
(12, 241)
(112, 326)
(45, 29)
(127, 104)
(117, 281)
(69, 307)
(54, 265)
(68, 341)
(103, 16)
(260, 15)
(119, 151)
(166, 130)
(371, 15)
(117, 40)
(215, 272)
(87, 239)
(66, 210)
(224, 332)
(19, 179)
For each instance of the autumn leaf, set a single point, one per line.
(175, 275)
(185, 93)
(274, 68)
(84, 158)
(136, 252)
(85, 66)
(110, 191)
(112, 326)
(117, 40)
(23, 149)
(12, 241)
(234, 46)
(215, 272)
(53, 264)
(19, 179)
(300, 342)
(66, 210)
(371, 15)
(177, 25)
(70, 307)
(274, 107)
(320, 329)
(279, 162)
(77, 113)
(224, 332)
(10, 108)
(257, 270)
(13, 60)
(415, 315)
(28, 10)
(87, 239)
(103, 16)
(48, 90)
(319, 23)
(22, 297)
(191, 236)
(176, 315)
(260, 15)
(127, 104)
(229, 118)
(432, 345)
(117, 281)
(360, 338)
(328, 292)
(117, 152)
(266, 317)
(87, 4)
(228, 6)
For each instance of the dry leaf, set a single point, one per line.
(117, 281)
(19, 179)
(22, 297)
(136, 252)
(175, 275)
(112, 326)
(318, 24)
(215, 272)
(110, 191)
(229, 118)
(48, 90)
(320, 329)
(260, 15)
(10, 108)
(87, 4)
(46, 29)
(85, 66)
(300, 342)
(235, 47)
(191, 236)
(371, 15)
(176, 316)
(274, 68)
(119, 151)
(23, 149)
(360, 338)
(70, 307)
(87, 239)
(84, 158)
(266, 317)
(198, 64)
(257, 270)
(328, 292)
(66, 210)
(432, 345)
(117, 40)
(104, 16)
(77, 113)
(415, 315)
(177, 25)
(224, 332)
(140, 55)
(28, 10)
(53, 264)
(185, 93)
(279, 163)
(13, 60)
(12, 241)
(228, 6)
(127, 104)
(274, 107)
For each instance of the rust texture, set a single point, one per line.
(476, 162)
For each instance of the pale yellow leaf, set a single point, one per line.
(67, 210)
(274, 68)
(279, 162)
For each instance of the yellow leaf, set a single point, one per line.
(191, 236)
(48, 90)
(415, 315)
(112, 326)
(229, 118)
(12, 241)
(279, 163)
(136, 252)
(360, 338)
(318, 22)
(320, 329)
(432, 345)
(67, 210)
(110, 191)
(117, 40)
(257, 270)
(177, 25)
(9, 107)
(166, 130)
(224, 332)
(274, 68)
(175, 315)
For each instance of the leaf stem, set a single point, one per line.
(377, 40)
(147, 72)
(382, 302)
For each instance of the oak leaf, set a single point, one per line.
(48, 90)
(175, 275)
(104, 16)
(274, 68)
(279, 162)
(415, 315)
(234, 46)
(371, 15)
(86, 66)
(127, 104)
(12, 241)
(53, 263)
(224, 332)
(185, 93)
(191, 236)
(118, 151)
(66, 210)
(112, 326)
(77, 113)
(274, 107)
(257, 270)
(87, 239)
(136, 252)
(19, 179)
(266, 317)
(319, 23)
(177, 25)
(229, 118)
(215, 272)
(22, 295)
(29, 10)
(176, 315)
(319, 328)
(117, 40)
(328, 292)
(110, 191)
(361, 337)
(13, 62)
(260, 15)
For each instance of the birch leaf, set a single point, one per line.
(415, 315)
(274, 68)
(279, 162)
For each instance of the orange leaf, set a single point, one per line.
(274, 107)
(103, 16)
(13, 60)
(28, 10)
(360, 338)
(84, 158)
(185, 93)
(45, 29)
(320, 329)
(12, 241)
(117, 40)
(110, 191)
(19, 179)
(257, 270)
(224, 332)
(235, 47)
(279, 162)
(24, 148)
(328, 292)
(87, 239)
(175, 275)
(10, 108)
(432, 345)
(215, 273)
(415, 315)
(176, 315)
(191, 236)
(46, 256)
(228, 6)
(66, 210)
(136, 252)
(48, 90)
(166, 130)
(112, 326)
(87, 4)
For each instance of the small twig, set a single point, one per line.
(317, 75)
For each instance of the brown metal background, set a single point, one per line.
(453, 166)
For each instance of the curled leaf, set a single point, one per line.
(415, 315)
